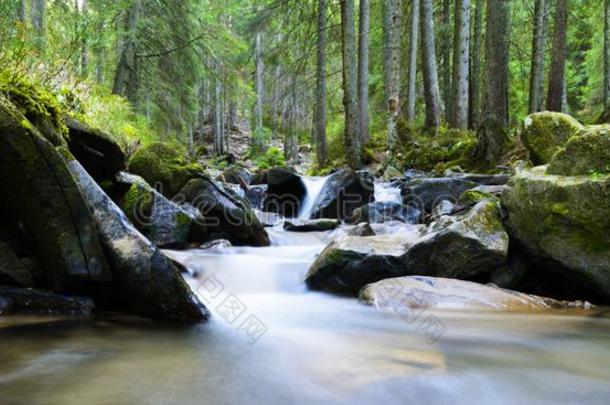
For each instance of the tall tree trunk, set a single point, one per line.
(84, 56)
(363, 72)
(353, 153)
(291, 142)
(37, 15)
(412, 72)
(461, 59)
(218, 117)
(606, 54)
(492, 136)
(445, 55)
(21, 10)
(259, 82)
(538, 48)
(555, 97)
(434, 109)
(124, 77)
(475, 77)
(320, 101)
(391, 26)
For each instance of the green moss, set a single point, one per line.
(544, 133)
(36, 103)
(472, 197)
(166, 165)
(587, 153)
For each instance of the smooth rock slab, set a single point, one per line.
(418, 292)
(39, 302)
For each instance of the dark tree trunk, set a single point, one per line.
(392, 12)
(475, 76)
(493, 136)
(412, 73)
(363, 72)
(348, 40)
(555, 97)
(461, 59)
(320, 101)
(430, 71)
(445, 55)
(538, 48)
(607, 54)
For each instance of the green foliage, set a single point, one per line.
(164, 163)
(273, 157)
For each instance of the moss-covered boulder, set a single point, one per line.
(545, 132)
(99, 154)
(586, 153)
(424, 194)
(226, 214)
(465, 246)
(165, 165)
(564, 223)
(164, 222)
(311, 225)
(38, 189)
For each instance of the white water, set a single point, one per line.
(314, 186)
(385, 192)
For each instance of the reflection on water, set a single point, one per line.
(317, 349)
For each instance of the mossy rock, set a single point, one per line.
(587, 153)
(38, 189)
(545, 132)
(564, 223)
(474, 196)
(164, 165)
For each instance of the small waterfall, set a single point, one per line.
(386, 192)
(314, 186)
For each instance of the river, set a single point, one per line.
(282, 344)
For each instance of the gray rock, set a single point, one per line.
(362, 229)
(311, 225)
(256, 195)
(466, 246)
(144, 280)
(38, 189)
(431, 293)
(38, 302)
(285, 192)
(425, 194)
(343, 192)
(384, 211)
(164, 222)
(227, 215)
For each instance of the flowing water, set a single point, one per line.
(314, 187)
(272, 341)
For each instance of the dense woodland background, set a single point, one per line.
(353, 79)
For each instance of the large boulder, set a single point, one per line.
(384, 211)
(425, 194)
(584, 154)
(99, 154)
(349, 263)
(466, 246)
(343, 192)
(39, 190)
(164, 222)
(236, 175)
(145, 281)
(564, 223)
(545, 132)
(226, 214)
(285, 192)
(164, 167)
(429, 293)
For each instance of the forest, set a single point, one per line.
(355, 80)
(304, 201)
